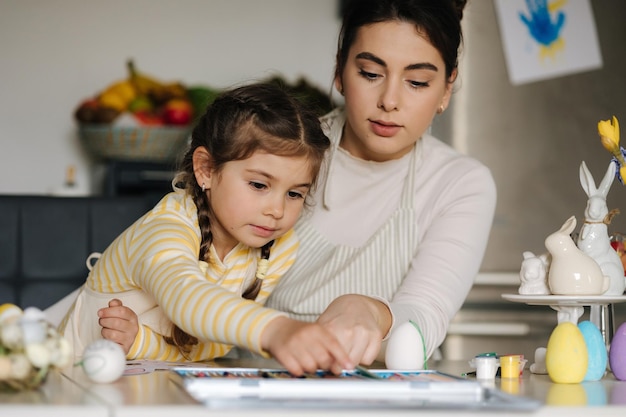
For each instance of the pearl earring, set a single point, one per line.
(203, 187)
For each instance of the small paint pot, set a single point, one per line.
(510, 366)
(486, 367)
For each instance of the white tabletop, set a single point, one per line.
(154, 394)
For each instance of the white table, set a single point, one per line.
(154, 394)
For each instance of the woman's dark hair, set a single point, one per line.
(239, 122)
(439, 20)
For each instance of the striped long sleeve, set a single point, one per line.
(158, 254)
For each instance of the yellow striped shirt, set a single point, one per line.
(159, 255)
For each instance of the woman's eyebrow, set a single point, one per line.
(418, 66)
(371, 57)
(422, 65)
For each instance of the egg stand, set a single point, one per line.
(601, 313)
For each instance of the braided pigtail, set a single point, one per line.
(261, 271)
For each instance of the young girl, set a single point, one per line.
(401, 219)
(223, 234)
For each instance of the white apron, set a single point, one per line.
(327, 270)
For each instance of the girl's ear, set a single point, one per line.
(202, 166)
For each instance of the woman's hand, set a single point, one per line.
(304, 347)
(359, 323)
(119, 324)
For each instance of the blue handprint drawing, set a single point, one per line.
(544, 30)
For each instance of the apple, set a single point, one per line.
(178, 112)
(147, 118)
(86, 112)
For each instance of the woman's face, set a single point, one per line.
(393, 82)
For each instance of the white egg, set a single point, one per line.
(405, 348)
(104, 361)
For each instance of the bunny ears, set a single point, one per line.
(609, 136)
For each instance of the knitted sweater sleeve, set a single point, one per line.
(449, 255)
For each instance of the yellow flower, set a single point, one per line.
(609, 134)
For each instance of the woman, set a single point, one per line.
(401, 220)
(400, 216)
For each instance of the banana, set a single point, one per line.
(157, 91)
(118, 95)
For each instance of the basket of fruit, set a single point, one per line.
(140, 118)
(155, 144)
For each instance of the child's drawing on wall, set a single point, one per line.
(544, 39)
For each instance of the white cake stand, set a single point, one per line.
(571, 307)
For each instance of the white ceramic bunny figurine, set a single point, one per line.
(572, 272)
(594, 238)
(534, 274)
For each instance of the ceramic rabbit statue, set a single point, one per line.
(593, 238)
(572, 272)
(534, 274)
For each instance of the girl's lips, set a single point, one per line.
(263, 231)
(384, 129)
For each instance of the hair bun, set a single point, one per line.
(459, 6)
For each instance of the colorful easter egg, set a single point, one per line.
(566, 354)
(596, 351)
(617, 353)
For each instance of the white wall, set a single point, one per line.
(54, 53)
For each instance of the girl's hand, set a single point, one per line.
(359, 323)
(304, 347)
(119, 324)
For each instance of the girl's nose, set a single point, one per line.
(275, 206)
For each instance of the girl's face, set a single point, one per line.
(256, 200)
(393, 82)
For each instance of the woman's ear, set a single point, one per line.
(447, 95)
(202, 167)
(339, 85)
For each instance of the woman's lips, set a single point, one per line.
(384, 129)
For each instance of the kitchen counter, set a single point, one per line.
(153, 394)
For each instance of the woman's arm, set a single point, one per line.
(449, 255)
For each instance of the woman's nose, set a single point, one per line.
(389, 96)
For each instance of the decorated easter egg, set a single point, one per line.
(104, 361)
(617, 353)
(566, 354)
(596, 351)
(405, 348)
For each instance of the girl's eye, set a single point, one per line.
(257, 185)
(295, 194)
(368, 75)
